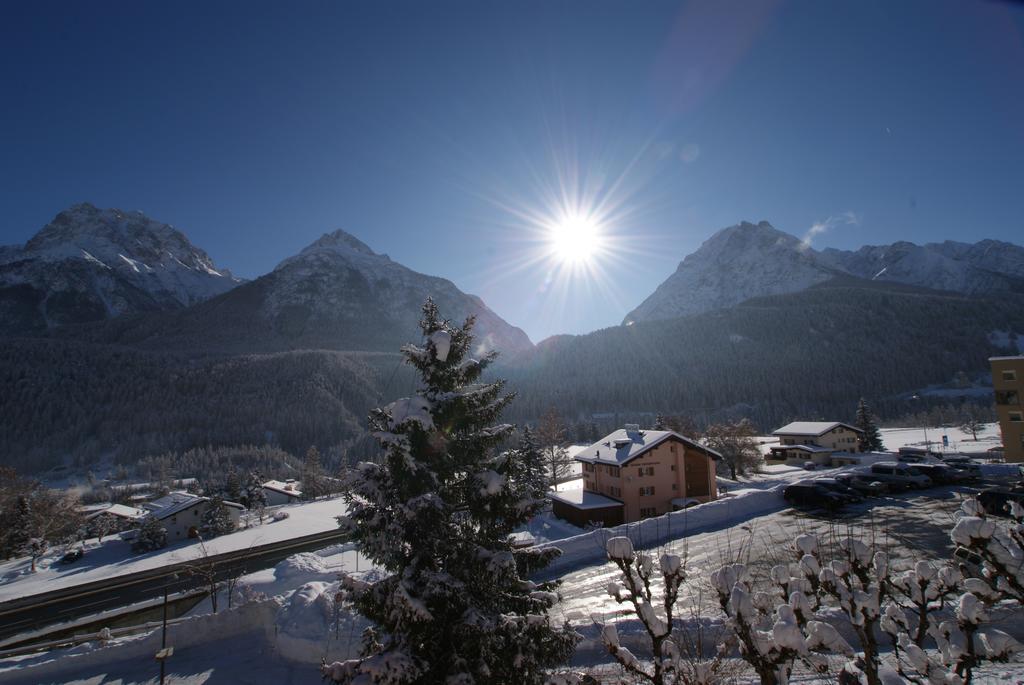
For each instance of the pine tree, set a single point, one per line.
(312, 475)
(233, 486)
(216, 519)
(151, 536)
(660, 424)
(20, 531)
(435, 516)
(255, 497)
(871, 437)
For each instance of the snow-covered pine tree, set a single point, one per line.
(871, 438)
(435, 515)
(216, 519)
(255, 497)
(152, 536)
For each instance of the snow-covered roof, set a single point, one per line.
(624, 445)
(289, 488)
(812, 428)
(805, 448)
(1006, 359)
(584, 499)
(171, 504)
(121, 511)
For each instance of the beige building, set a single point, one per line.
(634, 474)
(817, 441)
(1008, 383)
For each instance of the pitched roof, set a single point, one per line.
(283, 488)
(119, 510)
(584, 499)
(812, 428)
(623, 446)
(171, 504)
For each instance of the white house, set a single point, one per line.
(815, 441)
(181, 513)
(282, 492)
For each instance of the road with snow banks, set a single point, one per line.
(59, 606)
(909, 526)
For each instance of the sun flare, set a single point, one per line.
(575, 239)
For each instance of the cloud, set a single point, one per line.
(847, 218)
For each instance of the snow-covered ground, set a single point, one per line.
(114, 557)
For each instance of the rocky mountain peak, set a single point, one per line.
(89, 264)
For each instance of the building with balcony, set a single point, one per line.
(633, 474)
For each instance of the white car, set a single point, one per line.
(898, 475)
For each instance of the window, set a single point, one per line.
(615, 492)
(1010, 397)
(674, 486)
(673, 467)
(588, 468)
(1016, 416)
(647, 491)
(1009, 375)
(613, 471)
(647, 470)
(648, 512)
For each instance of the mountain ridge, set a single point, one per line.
(753, 260)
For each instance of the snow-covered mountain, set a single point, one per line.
(751, 260)
(92, 264)
(733, 265)
(335, 294)
(986, 267)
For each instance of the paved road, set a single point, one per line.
(908, 526)
(39, 611)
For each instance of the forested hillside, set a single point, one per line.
(806, 355)
(62, 398)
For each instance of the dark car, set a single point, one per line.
(865, 486)
(967, 467)
(72, 557)
(812, 494)
(841, 489)
(939, 473)
(997, 500)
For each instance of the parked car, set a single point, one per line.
(969, 560)
(939, 473)
(813, 494)
(898, 475)
(810, 466)
(997, 500)
(863, 484)
(845, 491)
(966, 465)
(72, 556)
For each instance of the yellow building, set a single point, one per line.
(1008, 383)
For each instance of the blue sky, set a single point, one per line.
(444, 133)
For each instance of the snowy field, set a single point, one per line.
(113, 557)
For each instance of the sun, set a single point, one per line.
(574, 239)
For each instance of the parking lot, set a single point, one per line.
(909, 526)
